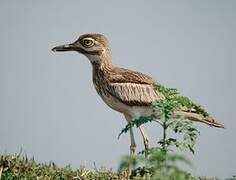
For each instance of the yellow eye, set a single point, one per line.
(87, 42)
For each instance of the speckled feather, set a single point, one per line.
(130, 87)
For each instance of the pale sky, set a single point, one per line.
(49, 107)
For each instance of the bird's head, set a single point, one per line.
(94, 46)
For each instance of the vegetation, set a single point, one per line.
(14, 167)
(156, 163)
(161, 163)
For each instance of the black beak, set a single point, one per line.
(65, 47)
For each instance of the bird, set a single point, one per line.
(126, 91)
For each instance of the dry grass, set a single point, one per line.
(20, 167)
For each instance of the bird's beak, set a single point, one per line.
(65, 47)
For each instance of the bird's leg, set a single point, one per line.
(132, 144)
(145, 139)
(132, 149)
(146, 146)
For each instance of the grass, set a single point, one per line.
(20, 167)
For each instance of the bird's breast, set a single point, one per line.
(117, 105)
(111, 101)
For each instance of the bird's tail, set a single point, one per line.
(199, 118)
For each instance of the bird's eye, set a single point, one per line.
(87, 42)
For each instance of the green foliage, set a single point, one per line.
(189, 132)
(164, 166)
(181, 102)
(17, 167)
(159, 165)
(161, 162)
(137, 123)
(20, 167)
(166, 107)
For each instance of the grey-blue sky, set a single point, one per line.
(48, 105)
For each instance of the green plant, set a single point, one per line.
(161, 162)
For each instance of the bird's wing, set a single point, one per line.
(132, 88)
(121, 75)
(134, 94)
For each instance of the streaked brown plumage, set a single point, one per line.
(129, 87)
(126, 91)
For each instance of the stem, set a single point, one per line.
(164, 136)
(164, 144)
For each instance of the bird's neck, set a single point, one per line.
(101, 70)
(101, 62)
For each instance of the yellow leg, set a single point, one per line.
(132, 140)
(132, 144)
(145, 138)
